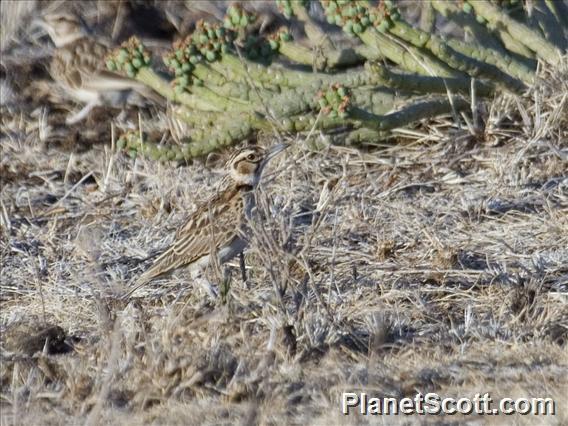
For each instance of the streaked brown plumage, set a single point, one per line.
(213, 224)
(79, 66)
(217, 225)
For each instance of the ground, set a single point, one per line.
(435, 262)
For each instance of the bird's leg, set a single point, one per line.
(75, 118)
(243, 267)
(225, 285)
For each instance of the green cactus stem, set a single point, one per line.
(484, 37)
(164, 88)
(277, 77)
(238, 127)
(197, 118)
(519, 31)
(416, 111)
(425, 84)
(409, 57)
(207, 74)
(204, 143)
(320, 59)
(476, 61)
(363, 137)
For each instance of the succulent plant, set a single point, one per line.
(335, 101)
(228, 86)
(130, 57)
(286, 7)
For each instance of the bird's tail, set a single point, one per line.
(142, 280)
(151, 95)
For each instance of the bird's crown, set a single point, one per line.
(63, 28)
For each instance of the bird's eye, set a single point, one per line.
(251, 157)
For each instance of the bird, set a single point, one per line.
(218, 226)
(78, 65)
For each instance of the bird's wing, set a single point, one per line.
(82, 65)
(209, 228)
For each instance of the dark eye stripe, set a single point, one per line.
(241, 157)
(256, 160)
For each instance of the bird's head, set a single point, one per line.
(246, 165)
(63, 28)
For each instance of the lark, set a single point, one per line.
(218, 226)
(79, 67)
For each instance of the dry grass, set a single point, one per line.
(436, 264)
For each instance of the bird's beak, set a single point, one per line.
(39, 23)
(275, 150)
(272, 152)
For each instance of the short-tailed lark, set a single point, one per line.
(79, 67)
(218, 226)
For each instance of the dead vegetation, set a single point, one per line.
(434, 264)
